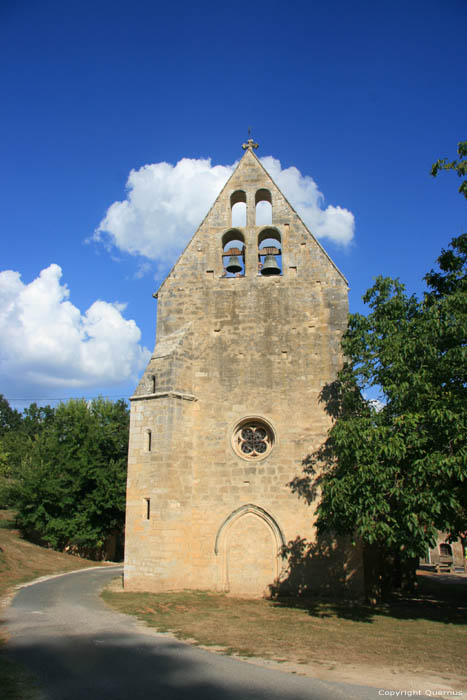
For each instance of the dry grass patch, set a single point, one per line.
(22, 561)
(419, 634)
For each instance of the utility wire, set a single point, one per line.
(68, 398)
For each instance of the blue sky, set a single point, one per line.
(359, 98)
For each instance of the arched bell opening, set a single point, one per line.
(238, 208)
(269, 253)
(233, 253)
(263, 208)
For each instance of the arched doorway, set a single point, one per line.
(248, 545)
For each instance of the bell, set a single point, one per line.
(270, 266)
(233, 265)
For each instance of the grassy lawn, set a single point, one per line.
(425, 633)
(21, 561)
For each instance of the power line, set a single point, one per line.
(68, 398)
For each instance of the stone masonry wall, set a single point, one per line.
(229, 348)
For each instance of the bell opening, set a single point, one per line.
(233, 254)
(269, 252)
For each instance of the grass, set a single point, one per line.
(22, 561)
(425, 633)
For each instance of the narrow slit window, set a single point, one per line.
(147, 508)
(148, 441)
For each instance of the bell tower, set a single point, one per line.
(248, 332)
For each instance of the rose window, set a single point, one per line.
(252, 439)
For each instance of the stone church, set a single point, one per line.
(249, 324)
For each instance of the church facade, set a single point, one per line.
(249, 325)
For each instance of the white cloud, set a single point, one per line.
(165, 204)
(334, 223)
(45, 341)
(377, 404)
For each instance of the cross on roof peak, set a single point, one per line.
(249, 145)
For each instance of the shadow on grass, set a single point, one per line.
(438, 599)
(325, 578)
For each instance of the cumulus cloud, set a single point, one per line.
(166, 203)
(164, 206)
(334, 223)
(45, 341)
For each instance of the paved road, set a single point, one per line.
(81, 650)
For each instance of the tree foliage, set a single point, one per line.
(10, 419)
(459, 166)
(11, 447)
(393, 472)
(69, 485)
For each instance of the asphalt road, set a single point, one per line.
(81, 650)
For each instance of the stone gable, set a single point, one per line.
(228, 406)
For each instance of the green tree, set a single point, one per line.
(11, 446)
(17, 433)
(393, 472)
(10, 418)
(71, 494)
(459, 166)
(36, 418)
